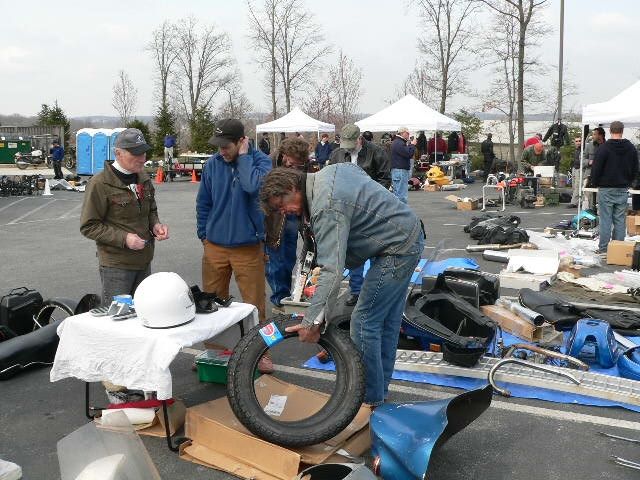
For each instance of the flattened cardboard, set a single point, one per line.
(219, 440)
(620, 253)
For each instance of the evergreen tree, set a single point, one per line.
(55, 116)
(144, 128)
(165, 123)
(201, 127)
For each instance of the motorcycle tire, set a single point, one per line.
(21, 165)
(340, 409)
(69, 163)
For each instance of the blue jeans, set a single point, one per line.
(376, 319)
(356, 277)
(400, 182)
(612, 209)
(279, 267)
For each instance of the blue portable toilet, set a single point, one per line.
(84, 142)
(100, 149)
(112, 142)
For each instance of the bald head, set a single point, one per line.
(538, 148)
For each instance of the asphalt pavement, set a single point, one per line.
(515, 439)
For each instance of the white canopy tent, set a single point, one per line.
(624, 107)
(408, 112)
(295, 121)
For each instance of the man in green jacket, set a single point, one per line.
(119, 213)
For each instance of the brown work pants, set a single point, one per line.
(246, 263)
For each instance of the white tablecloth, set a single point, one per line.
(126, 353)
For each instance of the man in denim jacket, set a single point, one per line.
(354, 218)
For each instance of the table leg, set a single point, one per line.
(167, 430)
(87, 407)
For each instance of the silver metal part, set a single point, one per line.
(506, 393)
(617, 437)
(615, 389)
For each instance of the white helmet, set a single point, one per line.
(163, 300)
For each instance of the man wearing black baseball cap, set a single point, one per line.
(229, 221)
(120, 214)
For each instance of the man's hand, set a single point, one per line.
(414, 141)
(307, 334)
(244, 146)
(134, 242)
(161, 231)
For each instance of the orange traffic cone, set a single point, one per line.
(194, 177)
(160, 175)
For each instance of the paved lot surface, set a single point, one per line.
(515, 439)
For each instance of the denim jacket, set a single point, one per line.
(353, 218)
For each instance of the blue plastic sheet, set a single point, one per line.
(433, 269)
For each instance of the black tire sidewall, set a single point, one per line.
(340, 409)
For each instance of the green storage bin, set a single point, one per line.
(551, 199)
(212, 366)
(9, 147)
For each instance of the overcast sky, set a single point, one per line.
(72, 50)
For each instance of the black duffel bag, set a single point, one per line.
(503, 235)
(480, 229)
(17, 309)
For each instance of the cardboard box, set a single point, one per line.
(517, 325)
(633, 225)
(220, 441)
(431, 187)
(463, 203)
(620, 253)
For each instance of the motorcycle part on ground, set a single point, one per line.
(53, 310)
(592, 341)
(340, 409)
(488, 283)
(336, 471)
(405, 436)
(506, 393)
(629, 364)
(164, 300)
(17, 309)
(443, 318)
(545, 353)
(33, 349)
(614, 389)
(625, 463)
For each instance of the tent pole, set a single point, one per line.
(582, 134)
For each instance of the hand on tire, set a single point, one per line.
(308, 334)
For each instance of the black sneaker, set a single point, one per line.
(352, 300)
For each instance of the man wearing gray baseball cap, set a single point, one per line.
(120, 214)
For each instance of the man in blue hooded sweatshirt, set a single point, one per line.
(230, 222)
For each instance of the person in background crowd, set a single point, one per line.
(57, 155)
(598, 137)
(437, 147)
(360, 149)
(486, 149)
(532, 156)
(282, 230)
(265, 144)
(336, 142)
(537, 138)
(453, 139)
(575, 171)
(421, 144)
(614, 170)
(229, 221)
(323, 150)
(402, 151)
(352, 219)
(169, 144)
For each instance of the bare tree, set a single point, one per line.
(300, 48)
(125, 97)
(345, 78)
(522, 11)
(448, 35)
(418, 84)
(236, 104)
(319, 102)
(204, 65)
(163, 51)
(264, 28)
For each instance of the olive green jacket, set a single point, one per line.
(110, 211)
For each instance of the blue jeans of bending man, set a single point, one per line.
(376, 319)
(400, 182)
(282, 260)
(612, 209)
(356, 278)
